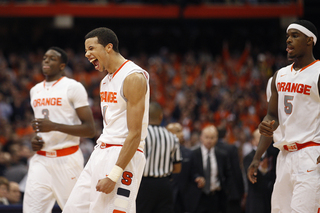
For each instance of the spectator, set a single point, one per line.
(210, 174)
(236, 186)
(4, 188)
(14, 194)
(180, 181)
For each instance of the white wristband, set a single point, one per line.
(115, 173)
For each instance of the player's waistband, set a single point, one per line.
(297, 146)
(59, 152)
(103, 145)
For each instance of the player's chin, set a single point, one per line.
(290, 57)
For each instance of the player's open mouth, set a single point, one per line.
(289, 49)
(95, 63)
(45, 67)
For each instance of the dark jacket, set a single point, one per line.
(224, 174)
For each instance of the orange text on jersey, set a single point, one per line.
(47, 102)
(294, 87)
(109, 97)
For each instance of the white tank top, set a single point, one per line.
(276, 133)
(58, 102)
(114, 105)
(298, 104)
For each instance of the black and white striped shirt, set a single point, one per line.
(162, 150)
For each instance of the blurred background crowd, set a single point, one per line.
(201, 72)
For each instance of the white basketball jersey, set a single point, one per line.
(58, 103)
(114, 105)
(277, 133)
(298, 104)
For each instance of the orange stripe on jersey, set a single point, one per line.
(44, 82)
(119, 68)
(305, 66)
(118, 211)
(145, 75)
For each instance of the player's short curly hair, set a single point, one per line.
(105, 36)
(64, 56)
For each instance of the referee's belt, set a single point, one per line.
(59, 152)
(105, 145)
(297, 146)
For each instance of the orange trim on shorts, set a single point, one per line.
(118, 211)
(298, 146)
(105, 145)
(59, 152)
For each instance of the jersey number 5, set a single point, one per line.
(287, 104)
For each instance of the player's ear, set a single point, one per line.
(109, 47)
(62, 66)
(310, 41)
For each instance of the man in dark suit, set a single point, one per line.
(210, 173)
(236, 186)
(180, 181)
(259, 194)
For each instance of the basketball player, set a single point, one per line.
(111, 178)
(62, 116)
(294, 109)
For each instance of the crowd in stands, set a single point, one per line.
(194, 89)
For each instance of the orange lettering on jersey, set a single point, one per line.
(47, 102)
(294, 88)
(108, 97)
(300, 88)
(287, 89)
(126, 178)
(306, 90)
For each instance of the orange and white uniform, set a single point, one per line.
(54, 170)
(84, 197)
(297, 186)
(276, 134)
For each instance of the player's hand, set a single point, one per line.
(252, 171)
(266, 128)
(201, 181)
(105, 185)
(36, 143)
(318, 159)
(42, 125)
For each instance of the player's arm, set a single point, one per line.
(77, 95)
(85, 129)
(266, 128)
(134, 89)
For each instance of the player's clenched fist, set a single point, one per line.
(36, 143)
(105, 185)
(266, 128)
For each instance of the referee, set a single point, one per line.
(163, 158)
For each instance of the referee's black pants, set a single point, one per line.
(155, 196)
